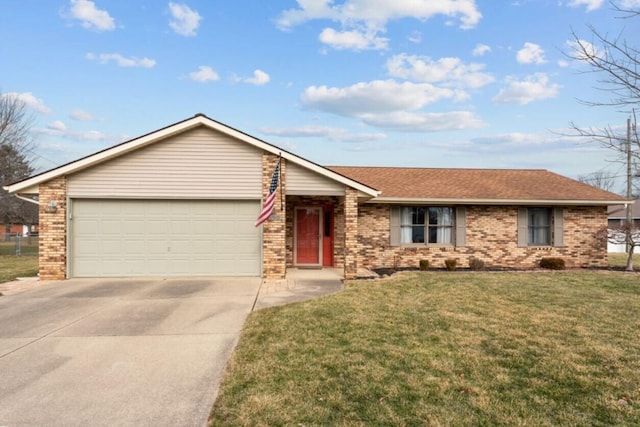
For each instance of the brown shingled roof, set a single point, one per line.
(475, 184)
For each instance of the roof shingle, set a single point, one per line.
(474, 184)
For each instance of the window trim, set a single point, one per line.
(556, 227)
(458, 227)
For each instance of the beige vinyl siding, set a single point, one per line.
(304, 182)
(200, 163)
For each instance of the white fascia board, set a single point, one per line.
(171, 130)
(502, 202)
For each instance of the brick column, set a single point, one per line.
(274, 264)
(53, 230)
(350, 233)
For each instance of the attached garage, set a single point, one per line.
(184, 205)
(183, 201)
(111, 238)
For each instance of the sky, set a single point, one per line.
(420, 83)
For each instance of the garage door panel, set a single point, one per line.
(167, 238)
(156, 226)
(113, 247)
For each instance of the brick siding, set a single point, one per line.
(273, 230)
(53, 230)
(491, 235)
(351, 233)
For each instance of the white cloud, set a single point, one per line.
(90, 16)
(363, 20)
(375, 13)
(379, 96)
(354, 40)
(449, 71)
(259, 78)
(92, 135)
(120, 60)
(562, 63)
(330, 133)
(185, 20)
(481, 49)
(82, 116)
(57, 126)
(59, 129)
(531, 53)
(204, 74)
(390, 104)
(30, 101)
(629, 4)
(533, 88)
(424, 122)
(590, 4)
(583, 50)
(415, 37)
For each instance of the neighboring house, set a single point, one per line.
(20, 229)
(182, 201)
(617, 216)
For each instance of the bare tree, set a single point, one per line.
(624, 234)
(616, 63)
(601, 179)
(15, 143)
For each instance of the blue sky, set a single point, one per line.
(429, 83)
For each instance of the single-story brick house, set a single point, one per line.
(182, 201)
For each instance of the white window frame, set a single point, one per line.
(450, 232)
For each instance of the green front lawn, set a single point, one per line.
(444, 349)
(12, 266)
(619, 260)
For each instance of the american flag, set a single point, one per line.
(269, 203)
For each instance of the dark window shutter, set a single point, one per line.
(394, 231)
(558, 227)
(461, 226)
(523, 229)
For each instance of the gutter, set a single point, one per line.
(529, 202)
(27, 199)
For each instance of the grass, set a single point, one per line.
(27, 246)
(444, 349)
(12, 266)
(619, 260)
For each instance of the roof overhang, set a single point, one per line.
(29, 185)
(494, 202)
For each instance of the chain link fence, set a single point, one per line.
(19, 245)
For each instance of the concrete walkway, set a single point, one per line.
(299, 285)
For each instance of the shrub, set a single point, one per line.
(552, 263)
(451, 264)
(424, 264)
(476, 264)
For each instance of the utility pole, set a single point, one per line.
(629, 187)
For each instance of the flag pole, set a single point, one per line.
(280, 179)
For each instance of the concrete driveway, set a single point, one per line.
(118, 352)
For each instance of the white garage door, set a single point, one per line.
(120, 238)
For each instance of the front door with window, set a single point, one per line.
(308, 236)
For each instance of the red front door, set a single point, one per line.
(307, 250)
